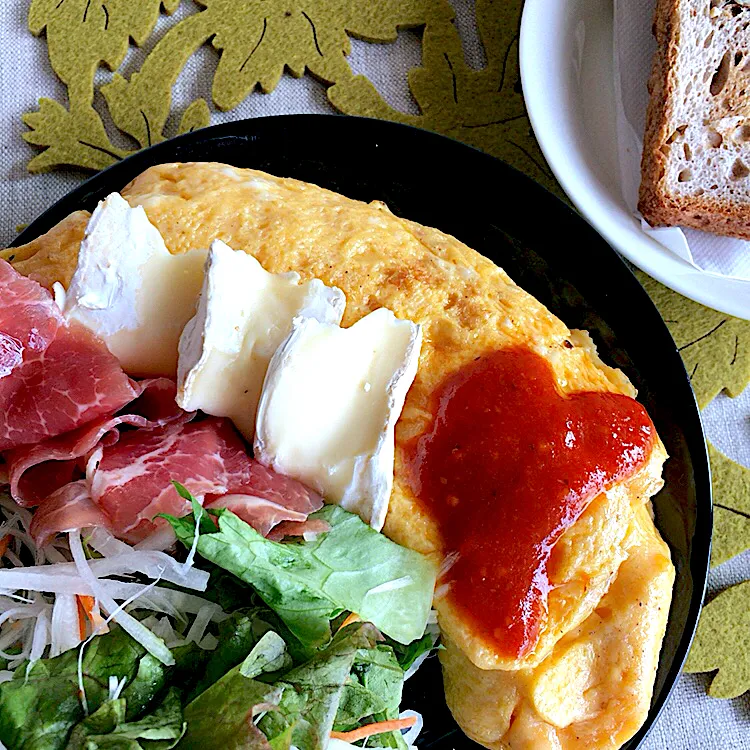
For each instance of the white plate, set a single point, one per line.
(566, 61)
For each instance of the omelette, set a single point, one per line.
(584, 680)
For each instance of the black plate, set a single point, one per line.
(545, 247)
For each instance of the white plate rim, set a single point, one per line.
(539, 38)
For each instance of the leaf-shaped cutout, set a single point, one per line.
(257, 40)
(140, 106)
(731, 490)
(483, 108)
(722, 642)
(715, 347)
(80, 36)
(300, 35)
(74, 138)
(196, 116)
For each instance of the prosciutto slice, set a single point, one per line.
(35, 472)
(54, 376)
(67, 509)
(132, 483)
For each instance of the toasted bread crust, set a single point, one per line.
(658, 205)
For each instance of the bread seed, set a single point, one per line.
(721, 76)
(739, 170)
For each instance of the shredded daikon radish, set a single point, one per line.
(200, 623)
(161, 539)
(40, 638)
(209, 642)
(448, 562)
(11, 635)
(64, 628)
(152, 643)
(163, 628)
(13, 557)
(418, 662)
(116, 686)
(62, 578)
(53, 555)
(411, 734)
(107, 544)
(13, 597)
(398, 583)
(5, 675)
(442, 591)
(10, 505)
(153, 564)
(77, 550)
(194, 546)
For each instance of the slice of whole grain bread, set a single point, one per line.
(695, 169)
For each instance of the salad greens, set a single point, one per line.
(289, 666)
(300, 706)
(39, 707)
(106, 728)
(352, 567)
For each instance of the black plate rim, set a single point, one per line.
(302, 123)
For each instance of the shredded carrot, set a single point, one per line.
(4, 542)
(377, 728)
(86, 612)
(352, 617)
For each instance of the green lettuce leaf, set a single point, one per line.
(106, 728)
(221, 717)
(298, 707)
(311, 693)
(236, 637)
(269, 654)
(352, 567)
(38, 709)
(374, 687)
(409, 653)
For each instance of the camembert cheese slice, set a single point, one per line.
(131, 291)
(329, 407)
(243, 315)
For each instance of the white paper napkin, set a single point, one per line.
(634, 47)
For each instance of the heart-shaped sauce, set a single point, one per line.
(508, 464)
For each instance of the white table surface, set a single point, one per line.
(691, 720)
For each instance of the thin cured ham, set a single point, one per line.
(54, 376)
(133, 482)
(67, 509)
(130, 482)
(35, 472)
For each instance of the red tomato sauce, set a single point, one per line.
(507, 465)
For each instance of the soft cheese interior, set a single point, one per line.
(244, 313)
(131, 291)
(343, 390)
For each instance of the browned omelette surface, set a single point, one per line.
(467, 307)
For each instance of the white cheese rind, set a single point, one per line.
(131, 291)
(329, 407)
(243, 314)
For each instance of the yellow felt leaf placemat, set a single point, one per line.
(722, 642)
(731, 488)
(257, 40)
(714, 346)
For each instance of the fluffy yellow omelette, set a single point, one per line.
(588, 681)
